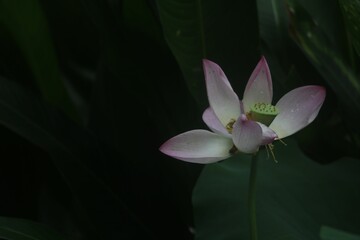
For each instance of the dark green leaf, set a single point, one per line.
(138, 16)
(27, 24)
(351, 12)
(273, 24)
(20, 229)
(327, 58)
(325, 24)
(328, 233)
(76, 154)
(139, 68)
(295, 197)
(223, 31)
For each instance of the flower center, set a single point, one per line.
(263, 112)
(229, 126)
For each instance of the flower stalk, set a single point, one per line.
(252, 197)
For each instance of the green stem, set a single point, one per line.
(252, 198)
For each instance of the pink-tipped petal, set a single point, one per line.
(247, 135)
(213, 122)
(223, 100)
(198, 146)
(268, 135)
(259, 87)
(297, 109)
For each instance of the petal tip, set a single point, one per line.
(205, 61)
(197, 146)
(259, 86)
(208, 64)
(265, 65)
(263, 61)
(322, 90)
(262, 58)
(164, 148)
(298, 108)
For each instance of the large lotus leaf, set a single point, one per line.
(295, 197)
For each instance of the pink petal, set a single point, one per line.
(268, 135)
(198, 146)
(297, 108)
(259, 87)
(247, 135)
(223, 100)
(213, 122)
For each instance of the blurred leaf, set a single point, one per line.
(275, 42)
(27, 24)
(326, 24)
(20, 229)
(273, 24)
(323, 55)
(328, 233)
(76, 154)
(139, 66)
(137, 15)
(295, 197)
(223, 31)
(139, 89)
(351, 13)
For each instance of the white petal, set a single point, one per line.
(268, 135)
(247, 135)
(297, 109)
(223, 100)
(259, 87)
(213, 122)
(198, 146)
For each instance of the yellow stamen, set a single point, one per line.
(270, 147)
(229, 126)
(282, 142)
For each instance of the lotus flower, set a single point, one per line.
(244, 126)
